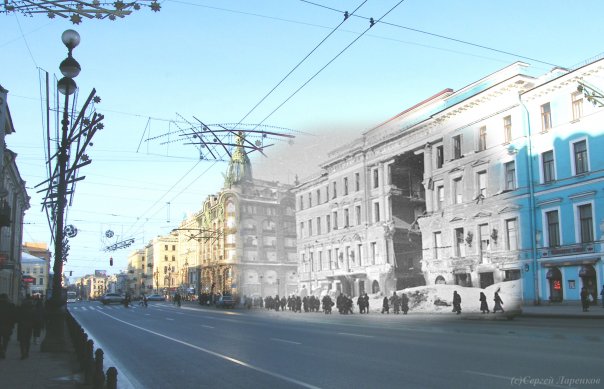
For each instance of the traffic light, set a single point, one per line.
(110, 261)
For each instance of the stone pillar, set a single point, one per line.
(428, 183)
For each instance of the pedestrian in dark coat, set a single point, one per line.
(498, 303)
(405, 303)
(39, 316)
(361, 304)
(585, 299)
(25, 325)
(396, 303)
(385, 306)
(602, 294)
(484, 307)
(298, 304)
(7, 322)
(366, 301)
(456, 303)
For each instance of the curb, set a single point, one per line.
(561, 316)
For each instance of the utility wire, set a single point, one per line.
(332, 60)
(436, 35)
(296, 67)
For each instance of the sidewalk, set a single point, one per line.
(560, 311)
(40, 370)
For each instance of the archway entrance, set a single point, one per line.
(440, 280)
(589, 281)
(556, 291)
(375, 287)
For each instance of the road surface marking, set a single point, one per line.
(206, 326)
(169, 318)
(222, 356)
(513, 380)
(147, 314)
(351, 334)
(285, 341)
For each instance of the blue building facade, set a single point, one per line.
(563, 208)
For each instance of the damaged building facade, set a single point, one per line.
(357, 219)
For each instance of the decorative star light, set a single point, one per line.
(77, 10)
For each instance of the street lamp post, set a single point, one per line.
(70, 68)
(63, 175)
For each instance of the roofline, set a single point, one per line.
(429, 99)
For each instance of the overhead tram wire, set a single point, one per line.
(296, 67)
(437, 35)
(132, 231)
(257, 104)
(329, 63)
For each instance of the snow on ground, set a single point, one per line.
(439, 298)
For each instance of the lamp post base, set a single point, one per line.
(54, 341)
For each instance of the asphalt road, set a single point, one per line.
(164, 346)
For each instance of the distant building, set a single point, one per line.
(92, 287)
(251, 244)
(35, 275)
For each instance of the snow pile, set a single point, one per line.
(439, 298)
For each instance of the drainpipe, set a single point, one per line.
(536, 280)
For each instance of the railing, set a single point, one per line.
(570, 249)
(91, 362)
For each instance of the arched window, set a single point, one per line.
(440, 280)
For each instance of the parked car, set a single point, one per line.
(156, 297)
(225, 301)
(112, 298)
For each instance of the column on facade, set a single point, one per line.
(428, 184)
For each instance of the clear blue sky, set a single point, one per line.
(216, 59)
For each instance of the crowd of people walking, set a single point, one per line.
(27, 317)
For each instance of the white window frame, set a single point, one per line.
(486, 183)
(572, 155)
(439, 194)
(506, 232)
(577, 110)
(541, 167)
(455, 194)
(545, 226)
(376, 216)
(505, 172)
(578, 221)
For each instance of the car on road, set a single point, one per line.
(156, 297)
(112, 298)
(226, 301)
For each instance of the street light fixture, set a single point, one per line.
(66, 160)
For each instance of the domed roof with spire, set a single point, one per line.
(240, 167)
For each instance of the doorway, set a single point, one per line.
(556, 291)
(486, 279)
(375, 287)
(590, 282)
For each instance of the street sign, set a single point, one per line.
(28, 279)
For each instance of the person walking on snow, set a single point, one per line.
(385, 306)
(456, 303)
(405, 303)
(484, 307)
(498, 303)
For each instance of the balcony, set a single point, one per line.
(571, 249)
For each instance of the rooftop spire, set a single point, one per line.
(240, 167)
